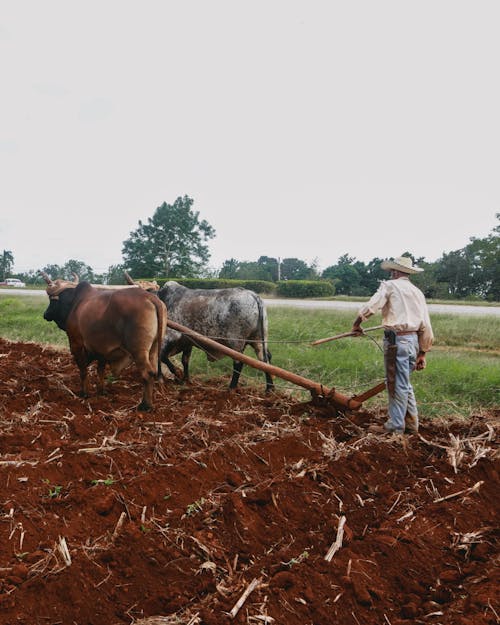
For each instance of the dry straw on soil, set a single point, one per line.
(233, 507)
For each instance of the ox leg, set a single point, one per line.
(172, 368)
(237, 367)
(84, 392)
(101, 366)
(269, 379)
(147, 399)
(186, 355)
(148, 375)
(82, 362)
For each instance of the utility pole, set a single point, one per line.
(279, 268)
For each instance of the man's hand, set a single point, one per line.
(356, 326)
(420, 362)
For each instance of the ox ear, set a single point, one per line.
(47, 278)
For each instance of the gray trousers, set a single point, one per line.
(403, 406)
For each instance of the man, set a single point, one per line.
(407, 337)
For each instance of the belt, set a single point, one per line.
(406, 332)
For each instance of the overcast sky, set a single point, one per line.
(306, 129)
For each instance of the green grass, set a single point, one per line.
(462, 374)
(21, 319)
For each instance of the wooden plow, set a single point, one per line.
(339, 400)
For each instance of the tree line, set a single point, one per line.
(173, 243)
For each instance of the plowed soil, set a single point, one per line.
(110, 516)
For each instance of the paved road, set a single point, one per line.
(338, 305)
(328, 305)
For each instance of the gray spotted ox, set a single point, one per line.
(115, 326)
(234, 317)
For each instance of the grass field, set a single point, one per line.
(462, 375)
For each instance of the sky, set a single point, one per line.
(300, 128)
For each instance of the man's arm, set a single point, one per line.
(375, 303)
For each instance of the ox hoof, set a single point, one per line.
(144, 407)
(183, 381)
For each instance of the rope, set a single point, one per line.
(284, 342)
(239, 338)
(375, 341)
(288, 386)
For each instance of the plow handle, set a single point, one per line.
(344, 334)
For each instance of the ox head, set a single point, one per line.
(147, 285)
(61, 297)
(172, 292)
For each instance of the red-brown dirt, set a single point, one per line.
(215, 489)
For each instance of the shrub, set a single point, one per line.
(258, 286)
(305, 288)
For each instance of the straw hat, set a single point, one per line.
(401, 263)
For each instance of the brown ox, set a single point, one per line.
(110, 326)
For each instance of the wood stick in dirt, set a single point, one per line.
(238, 605)
(466, 491)
(119, 524)
(338, 541)
(63, 549)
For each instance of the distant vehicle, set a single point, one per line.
(13, 282)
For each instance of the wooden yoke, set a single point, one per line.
(317, 390)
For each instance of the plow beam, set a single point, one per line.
(316, 390)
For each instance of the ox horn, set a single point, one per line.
(75, 277)
(129, 279)
(46, 277)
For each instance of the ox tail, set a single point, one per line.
(161, 316)
(262, 329)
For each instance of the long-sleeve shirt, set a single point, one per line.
(403, 308)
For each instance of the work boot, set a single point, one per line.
(411, 424)
(387, 428)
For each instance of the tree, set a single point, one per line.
(296, 269)
(252, 271)
(263, 269)
(485, 255)
(82, 270)
(427, 281)
(115, 274)
(372, 275)
(268, 268)
(53, 271)
(66, 271)
(345, 276)
(171, 243)
(473, 271)
(229, 269)
(6, 264)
